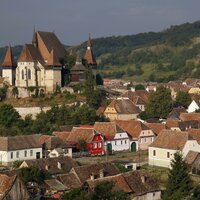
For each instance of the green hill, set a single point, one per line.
(171, 54)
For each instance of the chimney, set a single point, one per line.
(101, 173)
(92, 176)
(59, 165)
(143, 178)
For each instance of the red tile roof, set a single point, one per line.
(169, 139)
(6, 184)
(195, 133)
(53, 59)
(190, 116)
(132, 127)
(156, 127)
(8, 60)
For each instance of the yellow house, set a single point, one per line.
(123, 109)
(194, 90)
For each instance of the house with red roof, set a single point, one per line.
(139, 132)
(116, 139)
(94, 140)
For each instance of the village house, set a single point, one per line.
(12, 188)
(190, 116)
(54, 146)
(22, 147)
(175, 113)
(62, 164)
(116, 139)
(156, 127)
(194, 105)
(139, 185)
(142, 136)
(94, 141)
(191, 82)
(167, 143)
(121, 109)
(193, 161)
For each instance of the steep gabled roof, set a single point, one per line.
(51, 41)
(156, 127)
(8, 59)
(132, 127)
(30, 54)
(53, 59)
(169, 139)
(6, 184)
(191, 157)
(19, 142)
(108, 129)
(89, 56)
(124, 106)
(80, 133)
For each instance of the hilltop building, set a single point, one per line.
(9, 67)
(38, 64)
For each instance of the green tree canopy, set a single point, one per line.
(179, 183)
(183, 99)
(139, 87)
(160, 103)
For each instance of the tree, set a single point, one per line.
(105, 191)
(160, 103)
(139, 87)
(183, 99)
(179, 183)
(76, 194)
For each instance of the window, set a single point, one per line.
(11, 155)
(125, 141)
(121, 142)
(29, 74)
(31, 152)
(25, 153)
(17, 154)
(154, 152)
(168, 155)
(99, 144)
(22, 74)
(115, 142)
(145, 140)
(95, 145)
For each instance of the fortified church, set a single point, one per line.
(39, 64)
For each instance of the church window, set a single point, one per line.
(22, 74)
(29, 74)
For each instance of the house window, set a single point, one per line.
(152, 139)
(17, 154)
(154, 152)
(121, 142)
(125, 141)
(115, 142)
(95, 145)
(29, 74)
(25, 153)
(168, 155)
(22, 74)
(99, 144)
(11, 155)
(31, 152)
(145, 140)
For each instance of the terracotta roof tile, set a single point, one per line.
(171, 123)
(53, 59)
(124, 106)
(191, 157)
(19, 142)
(6, 184)
(195, 133)
(169, 139)
(190, 116)
(132, 127)
(55, 185)
(8, 59)
(63, 135)
(156, 127)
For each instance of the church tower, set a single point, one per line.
(89, 56)
(9, 67)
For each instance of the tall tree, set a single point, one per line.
(160, 103)
(89, 83)
(183, 99)
(179, 183)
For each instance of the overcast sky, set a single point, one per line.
(73, 20)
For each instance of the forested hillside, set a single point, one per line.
(171, 54)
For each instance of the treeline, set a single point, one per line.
(46, 122)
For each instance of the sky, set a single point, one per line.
(73, 20)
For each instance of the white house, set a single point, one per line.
(168, 142)
(116, 139)
(23, 147)
(194, 105)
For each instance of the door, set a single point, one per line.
(109, 147)
(133, 147)
(37, 155)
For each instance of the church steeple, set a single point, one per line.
(34, 39)
(8, 60)
(89, 56)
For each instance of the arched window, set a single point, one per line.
(22, 74)
(29, 74)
